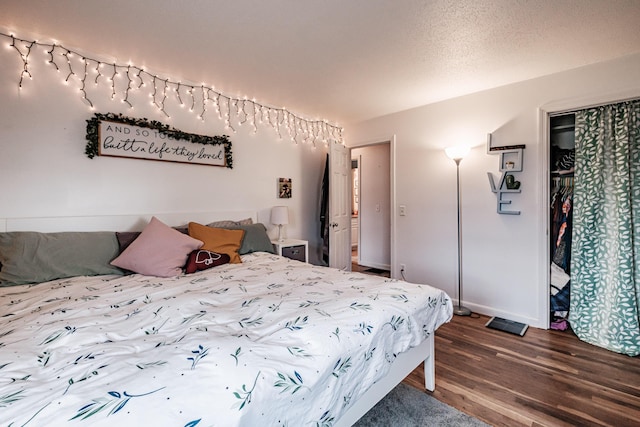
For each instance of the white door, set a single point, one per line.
(339, 206)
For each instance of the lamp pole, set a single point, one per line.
(460, 310)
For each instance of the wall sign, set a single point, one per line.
(119, 136)
(510, 162)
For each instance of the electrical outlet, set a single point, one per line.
(403, 268)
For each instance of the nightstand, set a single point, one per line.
(292, 248)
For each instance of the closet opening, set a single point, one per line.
(561, 162)
(590, 243)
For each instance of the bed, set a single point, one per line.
(265, 341)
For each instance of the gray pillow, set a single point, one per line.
(32, 257)
(255, 238)
(230, 223)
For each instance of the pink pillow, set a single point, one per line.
(159, 251)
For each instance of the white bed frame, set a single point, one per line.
(404, 364)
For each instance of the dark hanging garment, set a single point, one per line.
(562, 235)
(324, 213)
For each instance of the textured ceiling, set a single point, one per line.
(340, 60)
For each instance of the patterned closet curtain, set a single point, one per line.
(605, 279)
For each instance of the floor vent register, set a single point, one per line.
(506, 325)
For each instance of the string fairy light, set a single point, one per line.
(155, 91)
(193, 98)
(98, 73)
(24, 57)
(113, 81)
(205, 98)
(71, 73)
(51, 61)
(128, 89)
(83, 89)
(164, 98)
(227, 107)
(178, 95)
(139, 76)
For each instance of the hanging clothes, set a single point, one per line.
(605, 260)
(561, 236)
(324, 213)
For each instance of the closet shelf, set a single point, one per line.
(562, 128)
(562, 173)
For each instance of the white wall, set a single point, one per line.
(44, 171)
(374, 248)
(504, 260)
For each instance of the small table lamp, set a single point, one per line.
(280, 217)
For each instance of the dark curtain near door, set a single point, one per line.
(605, 268)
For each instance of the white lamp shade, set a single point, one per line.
(456, 153)
(279, 215)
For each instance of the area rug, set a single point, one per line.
(405, 406)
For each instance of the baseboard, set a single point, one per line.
(491, 312)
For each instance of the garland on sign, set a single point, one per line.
(84, 69)
(91, 150)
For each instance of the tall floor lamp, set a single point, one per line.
(456, 154)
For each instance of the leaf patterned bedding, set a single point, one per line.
(269, 342)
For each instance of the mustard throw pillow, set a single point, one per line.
(218, 240)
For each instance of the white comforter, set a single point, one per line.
(270, 342)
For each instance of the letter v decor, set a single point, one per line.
(119, 136)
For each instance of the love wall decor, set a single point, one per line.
(119, 136)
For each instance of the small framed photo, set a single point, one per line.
(511, 161)
(284, 188)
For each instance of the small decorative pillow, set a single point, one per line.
(218, 240)
(255, 238)
(201, 259)
(230, 223)
(159, 251)
(126, 237)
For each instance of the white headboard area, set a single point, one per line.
(117, 222)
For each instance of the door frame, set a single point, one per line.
(545, 112)
(359, 207)
(391, 140)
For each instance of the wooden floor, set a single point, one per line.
(546, 378)
(363, 268)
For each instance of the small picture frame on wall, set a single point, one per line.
(284, 188)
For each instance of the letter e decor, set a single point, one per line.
(118, 136)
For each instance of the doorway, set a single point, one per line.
(372, 208)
